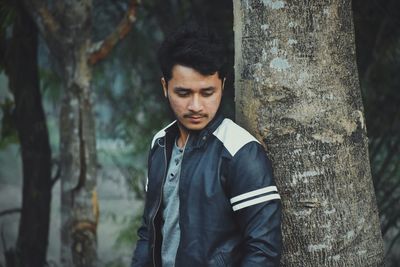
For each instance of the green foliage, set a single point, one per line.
(50, 85)
(7, 16)
(128, 235)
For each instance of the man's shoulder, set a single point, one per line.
(160, 133)
(233, 136)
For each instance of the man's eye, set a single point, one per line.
(182, 93)
(207, 93)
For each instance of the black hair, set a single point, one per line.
(195, 46)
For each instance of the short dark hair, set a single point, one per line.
(195, 46)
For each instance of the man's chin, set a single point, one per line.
(193, 126)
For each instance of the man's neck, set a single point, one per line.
(183, 136)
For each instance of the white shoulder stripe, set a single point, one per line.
(254, 193)
(233, 136)
(160, 133)
(255, 201)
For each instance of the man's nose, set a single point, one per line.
(195, 104)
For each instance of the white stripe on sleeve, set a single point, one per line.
(254, 193)
(255, 201)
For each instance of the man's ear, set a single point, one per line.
(165, 87)
(223, 84)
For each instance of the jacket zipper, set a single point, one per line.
(179, 185)
(159, 203)
(162, 192)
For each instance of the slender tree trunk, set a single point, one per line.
(66, 28)
(22, 70)
(79, 211)
(79, 204)
(297, 90)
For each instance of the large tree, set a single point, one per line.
(66, 27)
(297, 90)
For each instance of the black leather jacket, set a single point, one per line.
(230, 210)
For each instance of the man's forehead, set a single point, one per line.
(187, 77)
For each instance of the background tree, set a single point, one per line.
(297, 91)
(19, 56)
(66, 27)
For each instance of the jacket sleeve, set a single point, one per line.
(141, 255)
(256, 205)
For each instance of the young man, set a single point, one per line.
(211, 198)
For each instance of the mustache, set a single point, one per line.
(188, 115)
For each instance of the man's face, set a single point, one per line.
(194, 98)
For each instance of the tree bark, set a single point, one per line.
(297, 91)
(78, 161)
(22, 69)
(79, 204)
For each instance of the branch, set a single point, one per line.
(57, 174)
(101, 49)
(9, 211)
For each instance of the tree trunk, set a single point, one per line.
(22, 70)
(66, 28)
(79, 204)
(297, 91)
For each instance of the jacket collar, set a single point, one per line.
(196, 138)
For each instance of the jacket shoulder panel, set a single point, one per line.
(233, 136)
(161, 133)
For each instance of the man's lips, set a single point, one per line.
(195, 117)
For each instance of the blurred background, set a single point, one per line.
(129, 109)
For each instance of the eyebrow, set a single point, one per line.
(188, 89)
(208, 88)
(181, 89)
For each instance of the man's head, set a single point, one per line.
(193, 62)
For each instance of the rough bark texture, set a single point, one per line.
(79, 205)
(297, 91)
(22, 70)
